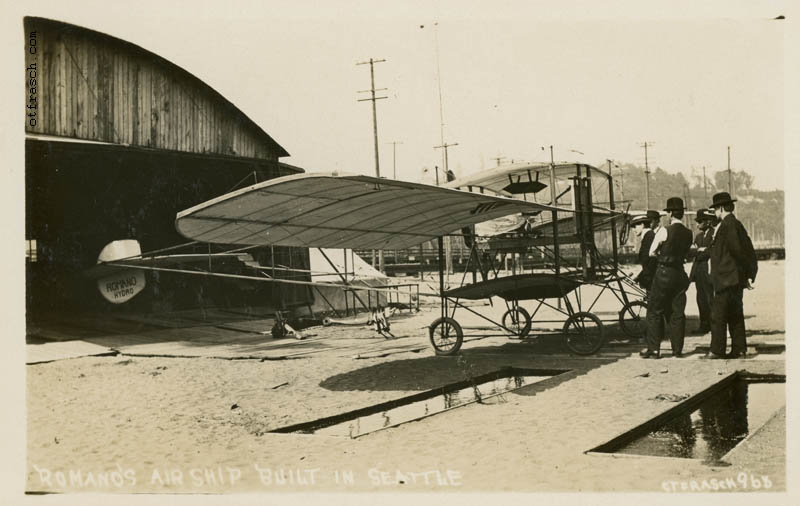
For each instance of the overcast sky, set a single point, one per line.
(514, 78)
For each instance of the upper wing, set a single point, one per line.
(330, 211)
(521, 178)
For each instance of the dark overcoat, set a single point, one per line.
(733, 259)
(703, 239)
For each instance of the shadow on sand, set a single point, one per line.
(431, 372)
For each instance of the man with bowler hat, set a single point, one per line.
(668, 292)
(700, 275)
(733, 268)
(644, 226)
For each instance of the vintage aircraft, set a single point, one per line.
(355, 211)
(573, 227)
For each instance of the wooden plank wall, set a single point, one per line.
(94, 87)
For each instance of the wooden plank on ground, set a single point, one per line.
(59, 350)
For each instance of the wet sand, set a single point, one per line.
(163, 424)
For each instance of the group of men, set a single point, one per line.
(724, 265)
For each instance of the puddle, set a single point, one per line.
(485, 389)
(716, 426)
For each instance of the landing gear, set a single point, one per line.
(446, 336)
(518, 321)
(585, 333)
(632, 318)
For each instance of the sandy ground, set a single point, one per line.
(161, 424)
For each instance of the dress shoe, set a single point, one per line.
(677, 355)
(712, 356)
(702, 330)
(650, 354)
(736, 354)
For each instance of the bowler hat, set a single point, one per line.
(653, 215)
(703, 215)
(674, 204)
(721, 198)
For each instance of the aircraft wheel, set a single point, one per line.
(632, 318)
(517, 320)
(585, 334)
(446, 336)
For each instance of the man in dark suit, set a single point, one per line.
(700, 274)
(667, 297)
(645, 226)
(733, 268)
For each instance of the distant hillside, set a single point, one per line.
(761, 212)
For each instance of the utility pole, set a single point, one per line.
(687, 203)
(498, 159)
(646, 176)
(374, 99)
(447, 245)
(705, 186)
(394, 157)
(730, 187)
(445, 146)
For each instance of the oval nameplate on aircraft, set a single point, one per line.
(121, 286)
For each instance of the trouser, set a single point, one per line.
(705, 296)
(667, 301)
(727, 313)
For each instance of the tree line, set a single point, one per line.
(761, 212)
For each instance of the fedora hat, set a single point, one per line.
(721, 198)
(674, 204)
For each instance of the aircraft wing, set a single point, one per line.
(521, 178)
(103, 269)
(341, 211)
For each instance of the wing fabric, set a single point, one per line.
(332, 211)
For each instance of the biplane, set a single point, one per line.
(355, 211)
(564, 213)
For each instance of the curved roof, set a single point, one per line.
(57, 31)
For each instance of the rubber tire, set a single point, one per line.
(595, 346)
(526, 328)
(625, 315)
(455, 327)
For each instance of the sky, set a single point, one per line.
(595, 83)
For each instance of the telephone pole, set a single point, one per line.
(705, 186)
(394, 157)
(646, 176)
(730, 187)
(447, 246)
(498, 159)
(445, 146)
(374, 99)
